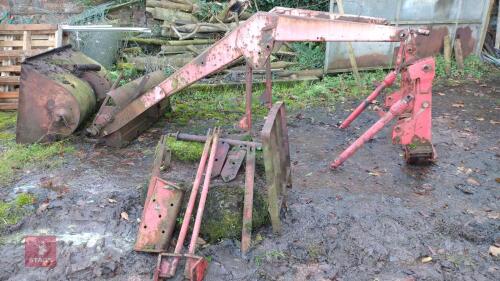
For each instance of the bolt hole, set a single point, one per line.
(159, 216)
(163, 231)
(145, 226)
(154, 200)
(171, 204)
(216, 159)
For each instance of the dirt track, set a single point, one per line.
(373, 219)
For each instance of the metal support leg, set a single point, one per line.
(396, 109)
(388, 81)
(246, 231)
(249, 84)
(269, 86)
(171, 263)
(201, 204)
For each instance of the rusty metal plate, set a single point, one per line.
(220, 157)
(276, 161)
(159, 216)
(233, 163)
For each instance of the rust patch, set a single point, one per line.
(432, 44)
(362, 61)
(464, 33)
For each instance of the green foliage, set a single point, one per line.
(130, 73)
(309, 55)
(222, 105)
(187, 151)
(12, 212)
(266, 5)
(225, 206)
(7, 120)
(18, 156)
(207, 9)
(473, 67)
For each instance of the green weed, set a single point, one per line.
(310, 55)
(17, 156)
(473, 67)
(185, 150)
(12, 212)
(7, 120)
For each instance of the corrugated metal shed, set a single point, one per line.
(464, 19)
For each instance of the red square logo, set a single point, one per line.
(40, 251)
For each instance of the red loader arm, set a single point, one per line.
(254, 40)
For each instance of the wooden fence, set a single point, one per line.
(18, 41)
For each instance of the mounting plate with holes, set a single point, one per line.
(159, 216)
(233, 163)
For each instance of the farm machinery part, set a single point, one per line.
(411, 104)
(254, 40)
(59, 89)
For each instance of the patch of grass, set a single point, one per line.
(473, 67)
(187, 151)
(17, 156)
(269, 256)
(7, 120)
(225, 105)
(12, 212)
(5, 137)
(222, 105)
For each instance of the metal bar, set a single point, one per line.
(203, 199)
(427, 22)
(248, 102)
(246, 230)
(254, 40)
(388, 81)
(395, 110)
(269, 84)
(189, 137)
(173, 262)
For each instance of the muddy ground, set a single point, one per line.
(374, 219)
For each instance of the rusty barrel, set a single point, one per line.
(59, 90)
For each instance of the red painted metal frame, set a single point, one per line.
(201, 206)
(255, 40)
(169, 266)
(197, 269)
(412, 103)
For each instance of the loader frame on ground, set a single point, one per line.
(258, 36)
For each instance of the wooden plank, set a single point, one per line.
(447, 54)
(459, 58)
(9, 95)
(20, 32)
(20, 53)
(9, 80)
(484, 27)
(11, 43)
(497, 38)
(8, 106)
(23, 27)
(10, 68)
(26, 40)
(34, 43)
(352, 56)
